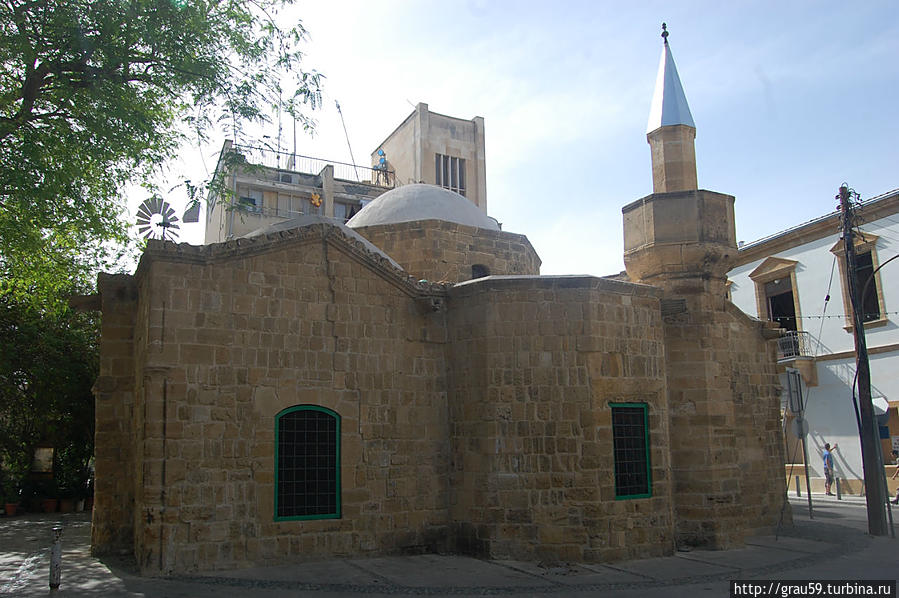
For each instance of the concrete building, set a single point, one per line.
(438, 150)
(259, 187)
(798, 279)
(408, 382)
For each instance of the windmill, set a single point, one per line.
(156, 219)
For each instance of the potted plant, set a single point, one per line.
(10, 495)
(45, 492)
(10, 491)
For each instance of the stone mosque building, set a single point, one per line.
(408, 382)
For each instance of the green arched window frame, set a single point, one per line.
(307, 463)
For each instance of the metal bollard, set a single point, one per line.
(798, 492)
(55, 558)
(839, 494)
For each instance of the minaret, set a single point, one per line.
(680, 238)
(721, 378)
(670, 131)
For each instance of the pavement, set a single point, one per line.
(833, 545)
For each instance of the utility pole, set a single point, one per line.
(875, 493)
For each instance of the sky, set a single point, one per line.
(790, 99)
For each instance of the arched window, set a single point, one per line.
(307, 463)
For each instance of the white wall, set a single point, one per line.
(830, 411)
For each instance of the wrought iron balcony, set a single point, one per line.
(794, 344)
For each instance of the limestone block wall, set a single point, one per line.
(112, 524)
(233, 339)
(445, 251)
(535, 364)
(756, 387)
(726, 441)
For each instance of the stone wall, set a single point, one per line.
(724, 403)
(535, 364)
(756, 391)
(446, 251)
(230, 342)
(112, 526)
(475, 418)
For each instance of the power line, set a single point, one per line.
(833, 266)
(886, 313)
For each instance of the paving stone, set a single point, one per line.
(671, 568)
(584, 574)
(457, 571)
(793, 544)
(320, 572)
(751, 557)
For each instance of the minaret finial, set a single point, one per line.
(665, 33)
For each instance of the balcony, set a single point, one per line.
(792, 345)
(794, 350)
(282, 167)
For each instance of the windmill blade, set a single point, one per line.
(165, 227)
(143, 211)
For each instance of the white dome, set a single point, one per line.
(421, 202)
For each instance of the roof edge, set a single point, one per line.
(247, 247)
(817, 228)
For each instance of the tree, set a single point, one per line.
(48, 363)
(97, 93)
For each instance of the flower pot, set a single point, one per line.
(49, 505)
(66, 505)
(11, 508)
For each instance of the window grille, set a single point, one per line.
(630, 437)
(307, 463)
(449, 173)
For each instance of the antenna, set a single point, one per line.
(278, 154)
(345, 134)
(292, 165)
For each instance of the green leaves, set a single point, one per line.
(95, 94)
(48, 362)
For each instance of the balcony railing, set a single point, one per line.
(794, 344)
(271, 212)
(285, 163)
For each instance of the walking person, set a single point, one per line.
(895, 501)
(828, 467)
